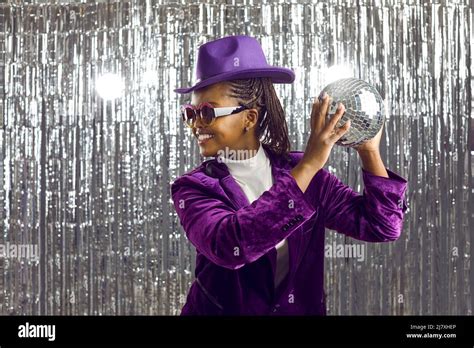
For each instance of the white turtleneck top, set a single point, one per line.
(254, 176)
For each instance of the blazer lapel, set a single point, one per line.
(232, 189)
(236, 195)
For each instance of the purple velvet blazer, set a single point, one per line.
(235, 239)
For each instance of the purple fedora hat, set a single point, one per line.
(234, 57)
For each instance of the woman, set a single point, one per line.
(257, 220)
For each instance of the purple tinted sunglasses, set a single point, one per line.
(207, 112)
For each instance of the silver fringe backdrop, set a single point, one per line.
(86, 181)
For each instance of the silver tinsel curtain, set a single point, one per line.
(86, 181)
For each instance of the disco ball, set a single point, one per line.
(364, 107)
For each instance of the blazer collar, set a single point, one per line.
(220, 171)
(237, 197)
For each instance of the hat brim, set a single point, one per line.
(277, 74)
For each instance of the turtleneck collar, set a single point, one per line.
(242, 166)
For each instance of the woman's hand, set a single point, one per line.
(371, 145)
(321, 140)
(369, 153)
(324, 134)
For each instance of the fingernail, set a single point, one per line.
(321, 96)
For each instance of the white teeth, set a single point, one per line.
(205, 136)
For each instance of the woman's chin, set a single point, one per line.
(207, 151)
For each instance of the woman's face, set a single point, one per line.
(226, 131)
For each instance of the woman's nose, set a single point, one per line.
(198, 121)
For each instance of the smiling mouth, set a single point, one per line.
(204, 138)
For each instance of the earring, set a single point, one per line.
(246, 129)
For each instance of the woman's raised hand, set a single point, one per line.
(324, 134)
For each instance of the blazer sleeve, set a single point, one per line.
(374, 216)
(232, 238)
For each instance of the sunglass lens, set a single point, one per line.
(207, 114)
(188, 116)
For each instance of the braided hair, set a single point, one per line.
(260, 94)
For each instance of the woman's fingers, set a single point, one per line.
(314, 112)
(323, 110)
(336, 117)
(317, 122)
(340, 131)
(319, 111)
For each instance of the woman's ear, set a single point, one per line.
(251, 117)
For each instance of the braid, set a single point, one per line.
(259, 93)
